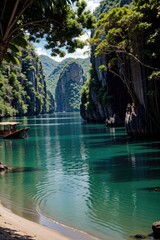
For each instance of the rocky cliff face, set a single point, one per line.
(108, 96)
(39, 100)
(26, 87)
(105, 97)
(138, 67)
(142, 117)
(68, 88)
(56, 71)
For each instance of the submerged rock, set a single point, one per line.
(6, 169)
(139, 236)
(154, 235)
(155, 189)
(3, 167)
(156, 229)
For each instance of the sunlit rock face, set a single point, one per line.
(68, 88)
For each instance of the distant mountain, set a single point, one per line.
(48, 64)
(67, 94)
(56, 69)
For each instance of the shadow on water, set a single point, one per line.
(126, 172)
(9, 233)
(135, 160)
(151, 189)
(20, 169)
(104, 141)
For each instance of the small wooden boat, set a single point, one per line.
(10, 130)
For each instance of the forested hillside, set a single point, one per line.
(58, 68)
(48, 64)
(68, 88)
(121, 85)
(23, 87)
(69, 99)
(103, 95)
(125, 51)
(60, 24)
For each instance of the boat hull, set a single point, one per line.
(18, 134)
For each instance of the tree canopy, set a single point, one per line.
(59, 22)
(23, 88)
(130, 33)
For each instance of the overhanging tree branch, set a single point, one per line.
(54, 18)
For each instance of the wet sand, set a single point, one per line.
(14, 227)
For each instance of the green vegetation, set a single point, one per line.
(67, 94)
(48, 64)
(5, 97)
(93, 87)
(90, 86)
(105, 6)
(58, 68)
(127, 34)
(23, 87)
(56, 21)
(125, 49)
(126, 42)
(73, 93)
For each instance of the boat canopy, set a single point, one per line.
(9, 123)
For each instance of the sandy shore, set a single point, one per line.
(15, 227)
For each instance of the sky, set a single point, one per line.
(79, 53)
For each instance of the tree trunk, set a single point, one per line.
(3, 47)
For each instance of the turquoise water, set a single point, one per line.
(88, 177)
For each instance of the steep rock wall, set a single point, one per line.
(108, 96)
(39, 100)
(143, 116)
(105, 98)
(68, 88)
(23, 88)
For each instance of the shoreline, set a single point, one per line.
(13, 227)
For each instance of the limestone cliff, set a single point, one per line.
(39, 99)
(67, 94)
(104, 96)
(133, 54)
(23, 87)
(143, 116)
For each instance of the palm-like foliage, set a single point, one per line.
(14, 48)
(54, 20)
(128, 38)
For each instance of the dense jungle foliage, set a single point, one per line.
(128, 38)
(95, 86)
(54, 75)
(70, 100)
(59, 22)
(23, 87)
(124, 51)
(48, 64)
(67, 92)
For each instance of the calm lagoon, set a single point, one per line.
(86, 176)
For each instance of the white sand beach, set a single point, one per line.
(14, 227)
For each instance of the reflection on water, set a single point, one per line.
(86, 176)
